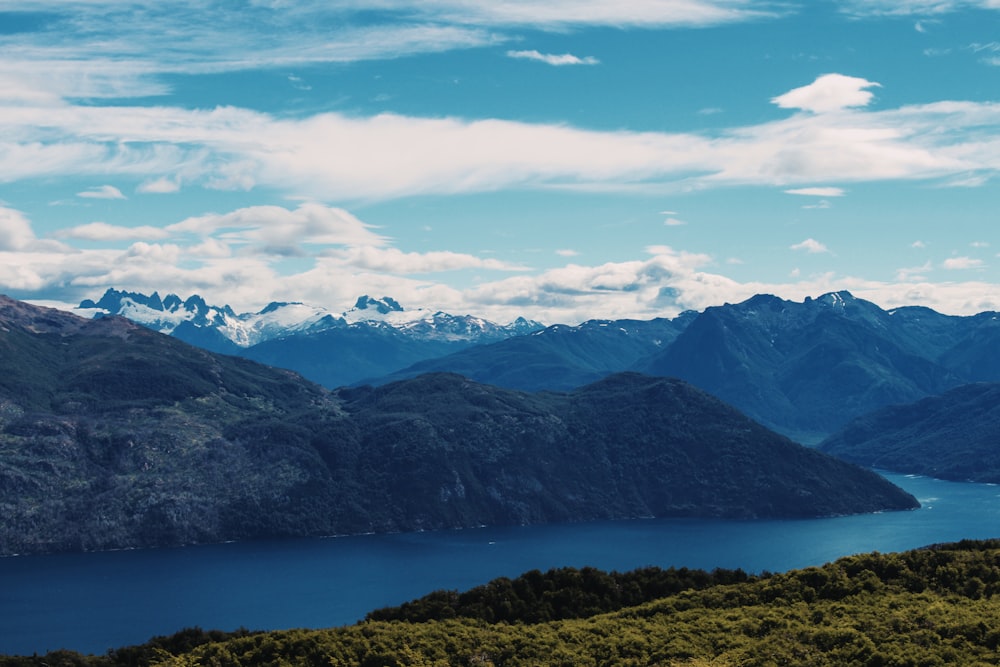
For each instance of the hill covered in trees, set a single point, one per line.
(933, 606)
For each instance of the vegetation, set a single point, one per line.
(933, 606)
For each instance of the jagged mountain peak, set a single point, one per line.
(384, 305)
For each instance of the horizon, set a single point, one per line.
(79, 309)
(563, 162)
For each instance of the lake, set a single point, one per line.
(96, 601)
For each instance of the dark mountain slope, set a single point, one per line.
(804, 369)
(952, 436)
(628, 445)
(557, 358)
(114, 436)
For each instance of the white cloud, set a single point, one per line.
(114, 50)
(980, 244)
(663, 283)
(392, 155)
(102, 231)
(102, 192)
(159, 186)
(830, 92)
(961, 263)
(566, 252)
(272, 227)
(913, 7)
(673, 222)
(553, 59)
(398, 262)
(914, 273)
(15, 230)
(817, 192)
(918, 244)
(564, 13)
(811, 246)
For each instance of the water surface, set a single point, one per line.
(93, 602)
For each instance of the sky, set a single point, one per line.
(561, 161)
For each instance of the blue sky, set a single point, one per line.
(558, 160)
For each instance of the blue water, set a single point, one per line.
(93, 602)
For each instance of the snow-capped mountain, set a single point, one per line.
(173, 316)
(373, 338)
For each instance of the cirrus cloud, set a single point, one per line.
(553, 59)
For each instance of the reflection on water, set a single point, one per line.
(92, 602)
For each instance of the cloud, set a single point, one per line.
(552, 59)
(275, 227)
(102, 192)
(821, 204)
(980, 244)
(817, 192)
(914, 273)
(662, 283)
(126, 49)
(15, 230)
(330, 156)
(918, 244)
(159, 186)
(558, 14)
(830, 92)
(961, 263)
(566, 252)
(811, 246)
(398, 262)
(863, 8)
(102, 231)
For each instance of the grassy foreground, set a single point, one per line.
(933, 606)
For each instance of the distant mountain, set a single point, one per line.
(375, 337)
(114, 436)
(558, 357)
(807, 368)
(952, 436)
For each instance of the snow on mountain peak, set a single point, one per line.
(281, 319)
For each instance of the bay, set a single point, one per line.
(96, 601)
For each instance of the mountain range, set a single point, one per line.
(803, 369)
(115, 436)
(373, 338)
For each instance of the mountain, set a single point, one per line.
(952, 436)
(558, 357)
(807, 368)
(373, 338)
(114, 436)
